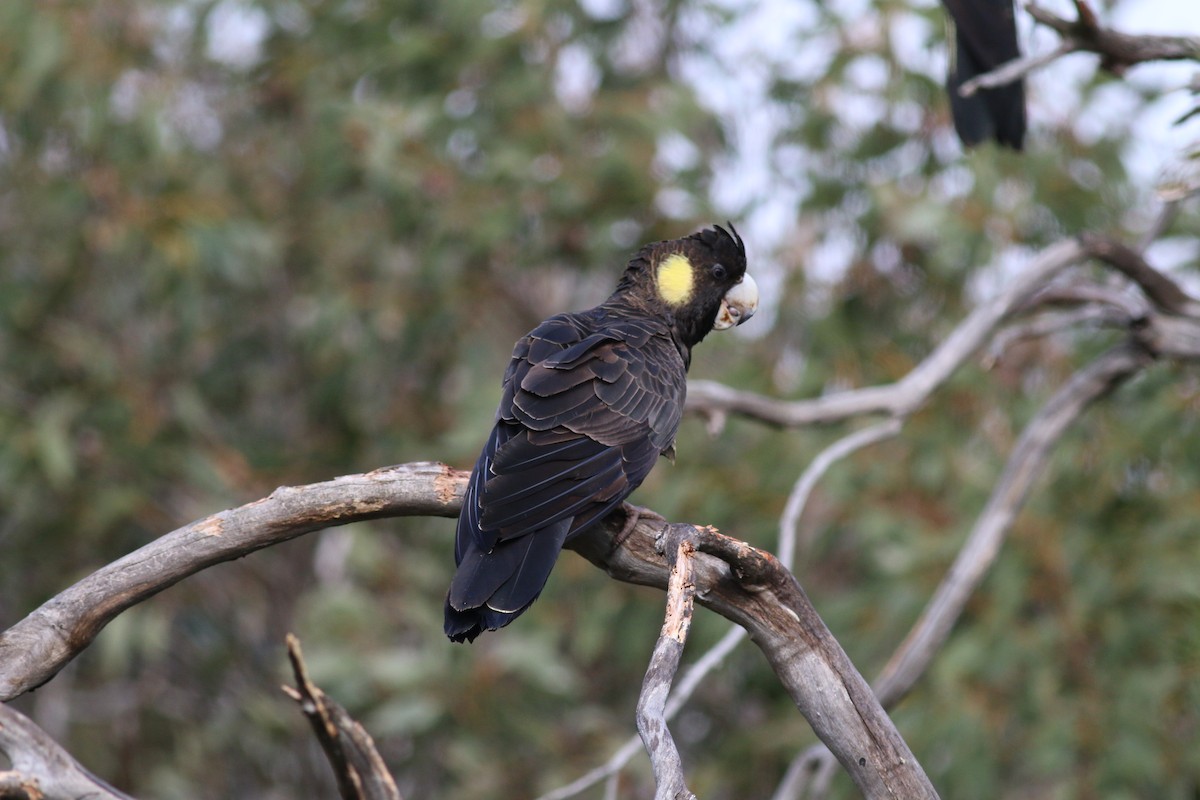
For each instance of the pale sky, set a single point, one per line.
(737, 89)
(761, 40)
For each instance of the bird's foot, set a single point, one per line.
(634, 515)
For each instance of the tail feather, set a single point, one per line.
(531, 574)
(465, 626)
(492, 589)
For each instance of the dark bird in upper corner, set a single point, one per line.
(590, 401)
(985, 34)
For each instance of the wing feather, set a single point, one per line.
(571, 493)
(539, 478)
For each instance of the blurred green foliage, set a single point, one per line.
(223, 269)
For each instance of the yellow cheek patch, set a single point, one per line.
(675, 279)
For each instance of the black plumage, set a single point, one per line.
(985, 36)
(590, 401)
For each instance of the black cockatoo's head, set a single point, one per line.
(700, 281)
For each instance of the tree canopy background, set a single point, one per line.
(246, 244)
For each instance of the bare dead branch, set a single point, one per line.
(1158, 286)
(1118, 51)
(357, 765)
(41, 768)
(1122, 300)
(910, 392)
(664, 663)
(37, 647)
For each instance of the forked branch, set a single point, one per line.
(750, 587)
(37, 647)
(357, 765)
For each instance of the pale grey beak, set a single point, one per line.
(738, 305)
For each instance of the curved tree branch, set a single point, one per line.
(37, 647)
(802, 489)
(745, 585)
(910, 392)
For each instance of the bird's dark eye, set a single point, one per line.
(719, 272)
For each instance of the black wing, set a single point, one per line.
(985, 34)
(589, 404)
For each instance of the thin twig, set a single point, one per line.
(1077, 292)
(1052, 322)
(1014, 70)
(809, 775)
(798, 498)
(1160, 288)
(605, 771)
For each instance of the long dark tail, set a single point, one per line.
(491, 589)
